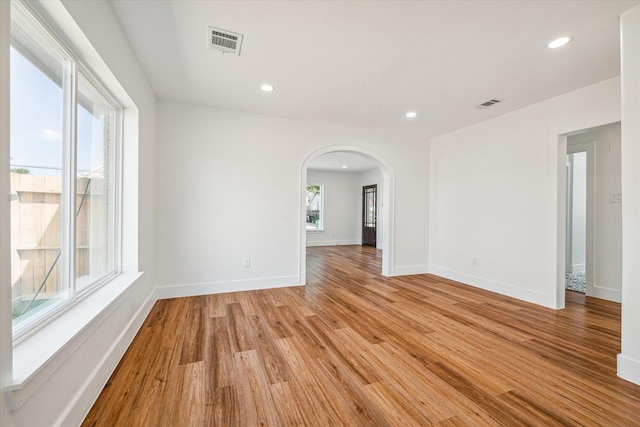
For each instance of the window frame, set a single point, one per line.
(320, 226)
(116, 171)
(25, 328)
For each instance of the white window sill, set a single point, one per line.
(65, 333)
(320, 230)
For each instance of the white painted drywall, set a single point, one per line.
(64, 389)
(341, 208)
(230, 189)
(629, 358)
(607, 222)
(494, 194)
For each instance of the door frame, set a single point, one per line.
(386, 204)
(569, 215)
(363, 210)
(561, 237)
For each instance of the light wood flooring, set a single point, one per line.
(353, 348)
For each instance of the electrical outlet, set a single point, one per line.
(474, 261)
(247, 263)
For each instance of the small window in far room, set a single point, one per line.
(314, 207)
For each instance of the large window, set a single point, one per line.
(314, 207)
(63, 175)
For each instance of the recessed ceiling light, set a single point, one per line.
(344, 166)
(267, 87)
(411, 114)
(559, 42)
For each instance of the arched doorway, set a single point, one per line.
(386, 205)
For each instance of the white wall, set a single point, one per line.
(604, 277)
(495, 194)
(64, 389)
(608, 222)
(629, 358)
(218, 166)
(341, 208)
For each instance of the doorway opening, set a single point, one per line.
(576, 252)
(590, 214)
(342, 212)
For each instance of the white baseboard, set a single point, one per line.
(333, 242)
(407, 270)
(502, 288)
(629, 368)
(196, 289)
(87, 394)
(608, 294)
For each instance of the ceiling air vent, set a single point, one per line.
(488, 104)
(225, 41)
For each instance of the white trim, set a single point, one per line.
(628, 368)
(629, 363)
(406, 270)
(507, 289)
(41, 354)
(196, 289)
(561, 219)
(605, 293)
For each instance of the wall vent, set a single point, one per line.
(489, 103)
(225, 41)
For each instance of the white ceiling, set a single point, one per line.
(335, 161)
(364, 64)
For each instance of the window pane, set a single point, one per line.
(314, 207)
(38, 69)
(94, 186)
(370, 207)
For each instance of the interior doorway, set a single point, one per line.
(576, 251)
(381, 175)
(591, 261)
(369, 215)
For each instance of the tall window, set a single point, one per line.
(314, 207)
(63, 175)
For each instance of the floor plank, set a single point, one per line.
(359, 349)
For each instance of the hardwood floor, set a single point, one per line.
(354, 348)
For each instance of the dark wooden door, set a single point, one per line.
(369, 215)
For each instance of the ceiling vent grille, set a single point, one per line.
(225, 41)
(489, 103)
